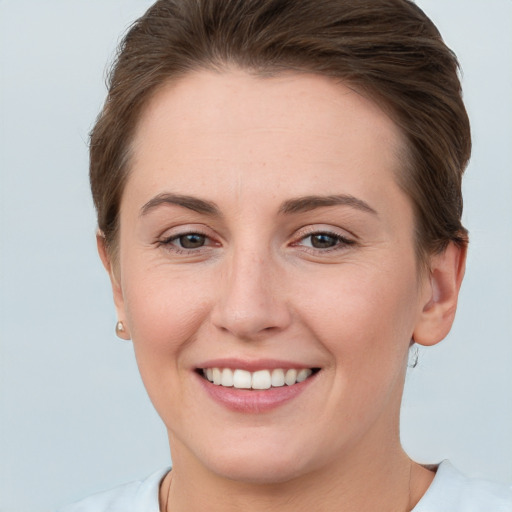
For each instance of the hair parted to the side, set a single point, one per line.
(388, 50)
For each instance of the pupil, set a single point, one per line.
(323, 241)
(192, 241)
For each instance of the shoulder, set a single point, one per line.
(451, 491)
(139, 496)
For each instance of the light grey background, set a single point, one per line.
(74, 415)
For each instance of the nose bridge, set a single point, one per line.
(250, 299)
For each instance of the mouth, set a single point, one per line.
(258, 380)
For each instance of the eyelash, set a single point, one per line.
(341, 242)
(168, 242)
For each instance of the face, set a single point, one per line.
(263, 237)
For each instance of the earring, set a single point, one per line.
(120, 330)
(415, 356)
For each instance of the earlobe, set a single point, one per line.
(117, 291)
(441, 295)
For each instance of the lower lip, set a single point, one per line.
(254, 401)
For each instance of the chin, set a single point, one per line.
(255, 461)
(263, 470)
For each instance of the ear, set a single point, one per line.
(115, 283)
(441, 294)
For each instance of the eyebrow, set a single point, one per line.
(190, 202)
(289, 207)
(308, 203)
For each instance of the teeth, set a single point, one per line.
(242, 379)
(277, 378)
(303, 374)
(227, 378)
(261, 379)
(217, 376)
(291, 377)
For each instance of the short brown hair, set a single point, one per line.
(388, 50)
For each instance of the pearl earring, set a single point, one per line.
(120, 330)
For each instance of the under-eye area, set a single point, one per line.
(260, 379)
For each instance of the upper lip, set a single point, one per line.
(253, 365)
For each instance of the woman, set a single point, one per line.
(278, 196)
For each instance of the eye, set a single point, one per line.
(182, 243)
(190, 240)
(324, 241)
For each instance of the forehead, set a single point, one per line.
(233, 129)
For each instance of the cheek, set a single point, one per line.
(361, 314)
(164, 313)
(365, 323)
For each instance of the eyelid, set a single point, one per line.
(185, 229)
(169, 236)
(172, 238)
(343, 240)
(324, 229)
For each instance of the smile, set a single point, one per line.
(261, 379)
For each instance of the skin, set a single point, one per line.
(259, 288)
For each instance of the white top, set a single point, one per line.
(450, 491)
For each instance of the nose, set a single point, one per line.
(251, 300)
